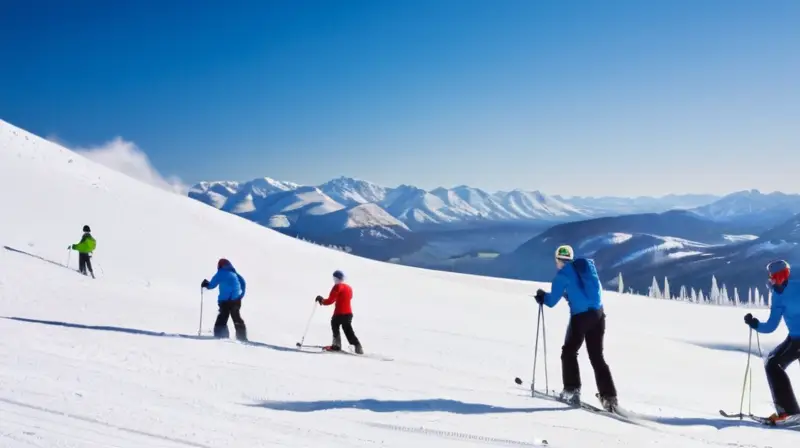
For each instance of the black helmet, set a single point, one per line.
(86, 229)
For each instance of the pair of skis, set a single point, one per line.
(327, 349)
(791, 423)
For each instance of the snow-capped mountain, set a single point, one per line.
(214, 193)
(610, 205)
(294, 204)
(762, 211)
(537, 205)
(349, 191)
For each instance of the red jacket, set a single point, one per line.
(341, 294)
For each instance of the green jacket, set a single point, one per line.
(87, 244)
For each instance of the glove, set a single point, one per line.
(319, 299)
(540, 297)
(751, 321)
(204, 284)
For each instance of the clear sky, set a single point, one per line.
(569, 97)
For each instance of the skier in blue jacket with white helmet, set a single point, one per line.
(231, 291)
(577, 280)
(786, 306)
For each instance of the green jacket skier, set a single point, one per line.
(85, 248)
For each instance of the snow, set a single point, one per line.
(663, 249)
(116, 361)
(740, 238)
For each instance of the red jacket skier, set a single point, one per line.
(341, 294)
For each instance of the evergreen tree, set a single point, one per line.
(620, 284)
(713, 295)
(667, 294)
(655, 292)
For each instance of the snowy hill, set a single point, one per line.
(760, 211)
(117, 361)
(628, 244)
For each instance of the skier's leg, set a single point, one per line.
(570, 371)
(347, 327)
(221, 324)
(602, 373)
(238, 322)
(82, 259)
(781, 387)
(336, 322)
(89, 264)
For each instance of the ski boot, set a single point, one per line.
(608, 403)
(336, 345)
(358, 349)
(572, 397)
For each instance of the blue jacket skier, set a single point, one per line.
(786, 306)
(232, 287)
(578, 282)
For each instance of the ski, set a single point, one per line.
(324, 349)
(793, 423)
(618, 414)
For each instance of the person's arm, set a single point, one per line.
(214, 281)
(775, 314)
(559, 284)
(332, 296)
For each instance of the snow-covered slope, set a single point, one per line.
(117, 362)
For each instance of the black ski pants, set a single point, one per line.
(230, 308)
(345, 322)
(85, 263)
(776, 363)
(589, 326)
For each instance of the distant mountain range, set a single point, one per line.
(684, 237)
(420, 209)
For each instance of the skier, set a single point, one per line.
(786, 305)
(341, 294)
(578, 282)
(85, 248)
(231, 291)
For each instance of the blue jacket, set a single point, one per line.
(579, 283)
(231, 285)
(785, 305)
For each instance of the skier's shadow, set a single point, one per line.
(381, 406)
(38, 257)
(714, 422)
(147, 333)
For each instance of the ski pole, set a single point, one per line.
(536, 353)
(544, 345)
(200, 325)
(308, 324)
(747, 370)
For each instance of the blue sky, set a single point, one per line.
(570, 97)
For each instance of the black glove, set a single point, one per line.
(540, 297)
(319, 299)
(204, 284)
(751, 321)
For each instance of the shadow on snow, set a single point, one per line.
(372, 405)
(731, 347)
(148, 333)
(22, 252)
